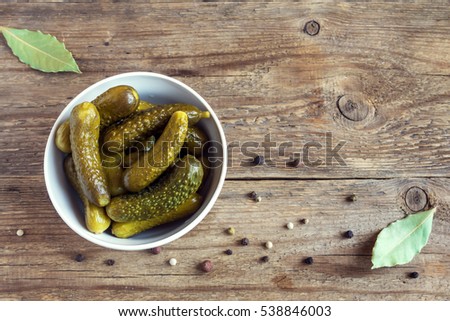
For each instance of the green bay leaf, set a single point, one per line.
(400, 241)
(40, 51)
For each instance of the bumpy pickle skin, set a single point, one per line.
(116, 103)
(62, 138)
(167, 193)
(206, 164)
(145, 123)
(195, 140)
(112, 166)
(153, 163)
(95, 217)
(113, 105)
(128, 229)
(138, 150)
(84, 129)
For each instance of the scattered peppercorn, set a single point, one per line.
(348, 234)
(245, 241)
(156, 250)
(231, 230)
(20, 232)
(309, 260)
(269, 245)
(173, 261)
(353, 198)
(290, 225)
(110, 262)
(265, 259)
(304, 221)
(254, 196)
(295, 162)
(206, 266)
(79, 257)
(258, 160)
(228, 252)
(414, 275)
(106, 43)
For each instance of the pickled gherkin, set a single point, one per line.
(153, 163)
(113, 105)
(112, 166)
(116, 103)
(95, 217)
(84, 129)
(167, 193)
(145, 123)
(138, 150)
(195, 140)
(62, 139)
(128, 229)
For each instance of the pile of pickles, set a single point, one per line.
(135, 165)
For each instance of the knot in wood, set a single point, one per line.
(312, 28)
(416, 199)
(352, 109)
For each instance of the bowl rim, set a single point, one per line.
(83, 232)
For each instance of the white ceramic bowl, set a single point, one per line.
(156, 88)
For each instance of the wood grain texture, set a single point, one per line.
(41, 265)
(268, 63)
(262, 75)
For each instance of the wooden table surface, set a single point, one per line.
(374, 82)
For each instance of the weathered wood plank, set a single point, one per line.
(40, 265)
(262, 74)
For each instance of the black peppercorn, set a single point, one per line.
(245, 241)
(110, 262)
(252, 195)
(348, 234)
(309, 260)
(265, 259)
(352, 198)
(414, 275)
(258, 160)
(228, 252)
(79, 258)
(304, 221)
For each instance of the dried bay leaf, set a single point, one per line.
(400, 241)
(40, 51)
